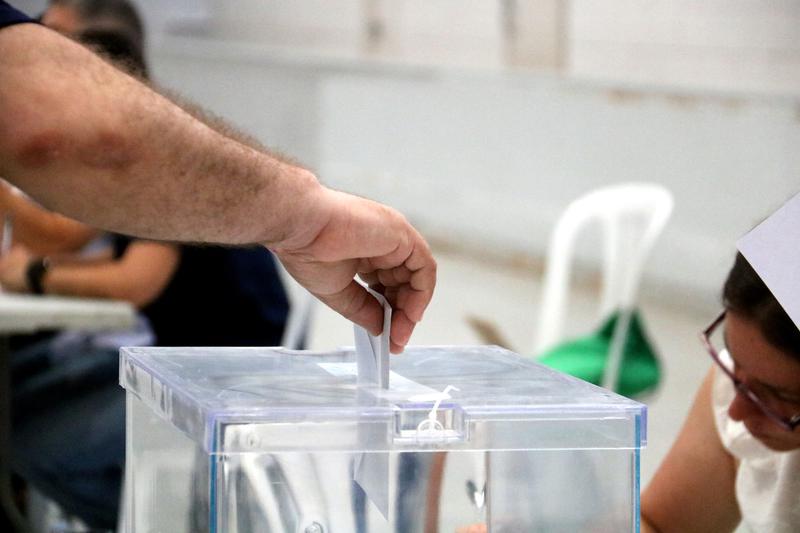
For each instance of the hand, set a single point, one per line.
(14, 268)
(357, 236)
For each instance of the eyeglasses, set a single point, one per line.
(762, 396)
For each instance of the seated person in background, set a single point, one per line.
(69, 415)
(117, 17)
(737, 458)
(42, 232)
(192, 295)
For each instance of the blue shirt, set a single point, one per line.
(219, 297)
(9, 15)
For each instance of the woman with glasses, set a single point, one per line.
(736, 459)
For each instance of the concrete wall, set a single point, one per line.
(490, 162)
(487, 161)
(749, 45)
(701, 97)
(721, 44)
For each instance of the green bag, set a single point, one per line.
(585, 357)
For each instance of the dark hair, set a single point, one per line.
(113, 29)
(747, 295)
(117, 47)
(118, 13)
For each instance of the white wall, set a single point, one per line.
(487, 161)
(698, 96)
(486, 158)
(748, 45)
(491, 161)
(277, 105)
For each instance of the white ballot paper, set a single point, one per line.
(773, 250)
(371, 470)
(372, 352)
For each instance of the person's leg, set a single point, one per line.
(30, 359)
(73, 451)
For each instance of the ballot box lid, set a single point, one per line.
(270, 400)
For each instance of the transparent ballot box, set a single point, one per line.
(270, 440)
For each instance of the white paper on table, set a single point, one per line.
(773, 250)
(371, 470)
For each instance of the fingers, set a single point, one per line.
(418, 295)
(421, 282)
(377, 243)
(415, 279)
(408, 305)
(370, 278)
(408, 288)
(357, 305)
(394, 276)
(402, 327)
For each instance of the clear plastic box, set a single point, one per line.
(271, 440)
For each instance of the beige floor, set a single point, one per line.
(509, 296)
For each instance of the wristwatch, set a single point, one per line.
(37, 268)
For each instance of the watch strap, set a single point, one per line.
(35, 273)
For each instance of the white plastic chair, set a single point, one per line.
(301, 312)
(298, 325)
(631, 216)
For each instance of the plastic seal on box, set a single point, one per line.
(431, 428)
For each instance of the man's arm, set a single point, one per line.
(91, 142)
(84, 139)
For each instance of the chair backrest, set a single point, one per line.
(630, 216)
(301, 313)
(298, 326)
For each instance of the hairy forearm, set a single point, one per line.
(220, 125)
(93, 143)
(86, 140)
